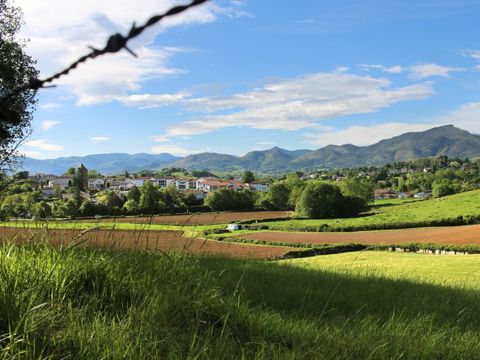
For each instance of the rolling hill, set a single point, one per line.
(444, 140)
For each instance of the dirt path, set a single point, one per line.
(152, 240)
(455, 235)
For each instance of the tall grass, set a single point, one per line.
(94, 304)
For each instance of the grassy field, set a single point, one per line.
(454, 271)
(92, 304)
(393, 215)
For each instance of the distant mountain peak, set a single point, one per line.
(441, 140)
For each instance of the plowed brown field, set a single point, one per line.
(454, 235)
(203, 218)
(151, 240)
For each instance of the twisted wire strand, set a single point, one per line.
(115, 43)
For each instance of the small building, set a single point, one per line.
(387, 193)
(61, 181)
(199, 194)
(233, 227)
(404, 195)
(47, 191)
(259, 186)
(96, 184)
(423, 195)
(166, 181)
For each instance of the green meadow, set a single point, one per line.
(104, 304)
(455, 209)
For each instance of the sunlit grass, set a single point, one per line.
(93, 304)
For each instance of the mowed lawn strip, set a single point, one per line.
(189, 230)
(141, 240)
(450, 235)
(455, 271)
(394, 214)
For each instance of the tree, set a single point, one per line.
(228, 199)
(42, 210)
(320, 200)
(279, 194)
(16, 69)
(149, 198)
(442, 188)
(248, 177)
(134, 194)
(131, 207)
(87, 208)
(362, 188)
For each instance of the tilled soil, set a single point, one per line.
(454, 235)
(145, 240)
(203, 218)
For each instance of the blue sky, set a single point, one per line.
(240, 75)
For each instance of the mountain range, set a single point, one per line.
(444, 140)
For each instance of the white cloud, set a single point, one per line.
(421, 71)
(265, 143)
(475, 54)
(28, 153)
(61, 31)
(297, 103)
(465, 117)
(363, 135)
(305, 21)
(99, 139)
(50, 106)
(48, 124)
(341, 69)
(160, 138)
(145, 101)
(396, 69)
(174, 150)
(43, 144)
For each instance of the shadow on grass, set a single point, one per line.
(308, 293)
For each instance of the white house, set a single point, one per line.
(233, 227)
(96, 184)
(47, 191)
(62, 181)
(259, 186)
(166, 181)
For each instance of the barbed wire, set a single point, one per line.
(115, 43)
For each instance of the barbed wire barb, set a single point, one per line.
(115, 43)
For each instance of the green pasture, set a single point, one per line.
(461, 271)
(394, 215)
(104, 304)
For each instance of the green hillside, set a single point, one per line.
(442, 211)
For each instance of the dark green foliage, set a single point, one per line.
(248, 177)
(16, 69)
(134, 194)
(443, 188)
(279, 195)
(149, 198)
(229, 199)
(88, 208)
(361, 188)
(320, 201)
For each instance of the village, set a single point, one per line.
(52, 185)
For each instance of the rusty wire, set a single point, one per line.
(115, 43)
